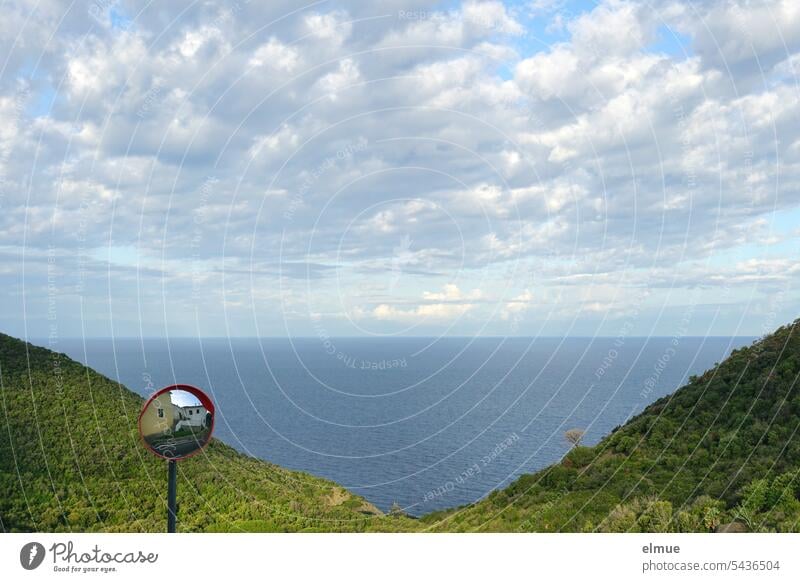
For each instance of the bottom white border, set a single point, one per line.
(405, 557)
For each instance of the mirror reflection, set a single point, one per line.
(175, 424)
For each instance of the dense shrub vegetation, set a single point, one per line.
(724, 449)
(720, 454)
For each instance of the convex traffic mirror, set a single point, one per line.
(177, 421)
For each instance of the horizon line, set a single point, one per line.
(427, 337)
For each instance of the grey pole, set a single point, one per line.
(172, 494)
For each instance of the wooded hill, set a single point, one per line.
(71, 460)
(721, 453)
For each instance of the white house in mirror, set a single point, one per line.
(191, 416)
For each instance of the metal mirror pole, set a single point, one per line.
(172, 493)
(178, 409)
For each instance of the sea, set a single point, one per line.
(424, 423)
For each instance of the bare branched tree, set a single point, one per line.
(574, 436)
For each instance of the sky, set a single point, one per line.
(400, 167)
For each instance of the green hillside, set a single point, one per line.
(71, 460)
(721, 453)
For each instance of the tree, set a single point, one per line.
(574, 436)
(656, 517)
(396, 510)
(753, 500)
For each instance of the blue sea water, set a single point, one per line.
(428, 423)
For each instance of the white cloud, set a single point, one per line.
(491, 15)
(613, 28)
(346, 75)
(600, 155)
(745, 37)
(517, 306)
(193, 40)
(276, 55)
(433, 311)
(331, 27)
(451, 292)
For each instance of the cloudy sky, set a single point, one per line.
(399, 167)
